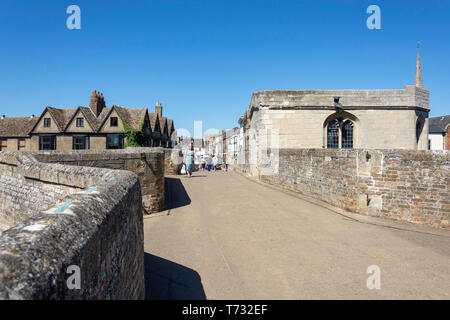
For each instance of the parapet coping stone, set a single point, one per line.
(86, 155)
(29, 255)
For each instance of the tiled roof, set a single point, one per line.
(17, 126)
(61, 116)
(21, 127)
(153, 116)
(170, 126)
(435, 129)
(91, 118)
(133, 117)
(441, 122)
(162, 123)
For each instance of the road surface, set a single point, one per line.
(225, 236)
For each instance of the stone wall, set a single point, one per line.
(147, 163)
(20, 196)
(380, 118)
(409, 96)
(172, 161)
(373, 129)
(97, 227)
(404, 185)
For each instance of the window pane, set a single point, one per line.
(47, 142)
(114, 141)
(113, 121)
(332, 136)
(347, 135)
(79, 143)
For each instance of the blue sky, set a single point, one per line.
(203, 59)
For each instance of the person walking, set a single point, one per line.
(224, 163)
(189, 160)
(209, 163)
(214, 161)
(203, 163)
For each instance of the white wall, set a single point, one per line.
(436, 141)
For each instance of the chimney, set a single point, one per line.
(32, 116)
(3, 116)
(158, 109)
(97, 103)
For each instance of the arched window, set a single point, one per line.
(347, 135)
(333, 135)
(339, 130)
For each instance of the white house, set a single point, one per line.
(436, 138)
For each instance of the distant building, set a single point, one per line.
(214, 144)
(14, 132)
(439, 133)
(233, 146)
(335, 119)
(96, 127)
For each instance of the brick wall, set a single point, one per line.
(147, 163)
(404, 185)
(447, 137)
(98, 229)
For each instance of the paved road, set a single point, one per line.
(227, 237)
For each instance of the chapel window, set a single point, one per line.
(333, 135)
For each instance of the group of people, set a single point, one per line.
(206, 162)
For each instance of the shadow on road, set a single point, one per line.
(167, 280)
(176, 195)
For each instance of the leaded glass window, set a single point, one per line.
(347, 135)
(333, 135)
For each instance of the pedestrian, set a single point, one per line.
(214, 162)
(189, 160)
(209, 162)
(203, 163)
(224, 163)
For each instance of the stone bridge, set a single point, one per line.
(221, 235)
(226, 236)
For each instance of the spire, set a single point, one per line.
(418, 81)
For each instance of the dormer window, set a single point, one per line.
(113, 122)
(80, 122)
(47, 122)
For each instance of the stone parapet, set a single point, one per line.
(147, 163)
(95, 225)
(406, 185)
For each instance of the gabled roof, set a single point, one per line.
(87, 114)
(154, 121)
(441, 122)
(133, 117)
(435, 129)
(170, 126)
(163, 124)
(18, 127)
(60, 116)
